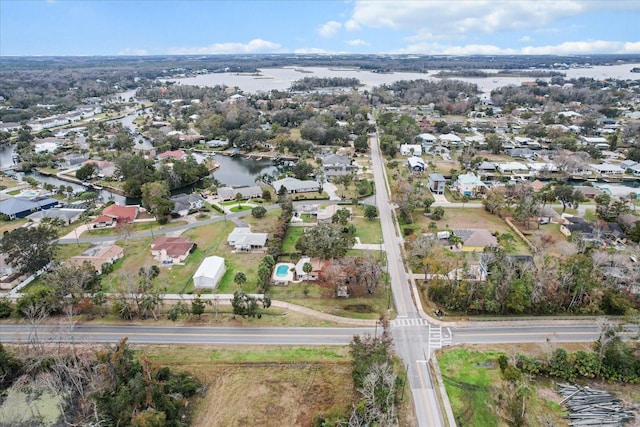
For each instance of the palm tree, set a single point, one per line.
(240, 279)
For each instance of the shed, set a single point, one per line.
(209, 273)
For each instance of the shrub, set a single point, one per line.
(6, 308)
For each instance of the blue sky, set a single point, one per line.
(450, 27)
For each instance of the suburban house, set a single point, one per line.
(316, 267)
(294, 185)
(487, 166)
(229, 193)
(171, 250)
(121, 213)
(469, 185)
(607, 169)
(243, 240)
(7, 273)
(512, 167)
(588, 192)
(208, 275)
(104, 221)
(450, 139)
(476, 240)
(172, 155)
(183, 204)
(437, 183)
(411, 149)
(67, 216)
(336, 165)
(522, 153)
(104, 168)
(416, 164)
(97, 256)
(20, 207)
(427, 138)
(574, 224)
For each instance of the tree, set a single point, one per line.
(370, 212)
(494, 201)
(568, 196)
(238, 197)
(155, 199)
(302, 170)
(247, 306)
(258, 212)
(240, 279)
(198, 306)
(86, 171)
(326, 241)
(30, 249)
(427, 204)
(438, 213)
(341, 216)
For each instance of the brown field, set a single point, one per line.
(268, 386)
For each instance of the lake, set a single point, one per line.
(281, 78)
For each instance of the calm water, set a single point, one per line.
(238, 171)
(281, 78)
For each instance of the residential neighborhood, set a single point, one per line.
(400, 205)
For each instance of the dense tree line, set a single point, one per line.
(135, 171)
(449, 96)
(108, 387)
(546, 285)
(310, 83)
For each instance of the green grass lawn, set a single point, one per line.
(468, 378)
(290, 239)
(133, 227)
(368, 231)
(241, 208)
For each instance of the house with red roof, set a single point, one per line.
(102, 221)
(172, 155)
(121, 213)
(171, 250)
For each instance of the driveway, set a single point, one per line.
(331, 189)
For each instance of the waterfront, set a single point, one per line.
(281, 78)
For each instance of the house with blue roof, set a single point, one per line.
(20, 207)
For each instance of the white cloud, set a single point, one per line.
(133, 52)
(351, 25)
(357, 42)
(525, 39)
(583, 47)
(461, 17)
(567, 48)
(255, 45)
(329, 29)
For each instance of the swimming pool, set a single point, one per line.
(283, 273)
(29, 193)
(282, 270)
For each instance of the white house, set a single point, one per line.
(411, 150)
(607, 169)
(242, 239)
(427, 138)
(513, 167)
(209, 273)
(437, 183)
(293, 185)
(469, 185)
(450, 138)
(416, 164)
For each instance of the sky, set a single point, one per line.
(432, 27)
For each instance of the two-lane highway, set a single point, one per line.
(149, 334)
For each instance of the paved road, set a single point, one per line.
(413, 346)
(179, 334)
